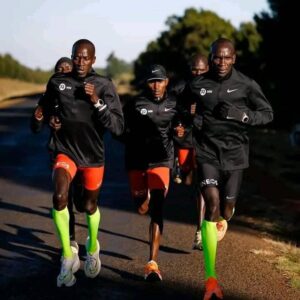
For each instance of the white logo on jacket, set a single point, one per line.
(144, 111)
(231, 91)
(203, 91)
(62, 87)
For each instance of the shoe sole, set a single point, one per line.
(75, 268)
(198, 247)
(88, 274)
(153, 277)
(68, 284)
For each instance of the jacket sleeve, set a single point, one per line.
(185, 100)
(128, 109)
(111, 115)
(260, 111)
(47, 101)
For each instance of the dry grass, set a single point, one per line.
(123, 84)
(285, 257)
(10, 88)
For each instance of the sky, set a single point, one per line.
(38, 32)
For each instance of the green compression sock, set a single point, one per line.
(209, 242)
(93, 222)
(61, 221)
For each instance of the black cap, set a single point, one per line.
(156, 72)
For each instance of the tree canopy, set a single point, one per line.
(116, 66)
(188, 34)
(9, 67)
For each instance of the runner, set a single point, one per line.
(63, 65)
(184, 148)
(227, 103)
(149, 154)
(82, 105)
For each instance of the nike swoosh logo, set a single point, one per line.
(167, 109)
(154, 71)
(230, 91)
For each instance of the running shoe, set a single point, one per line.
(92, 265)
(212, 288)
(152, 272)
(69, 266)
(222, 226)
(177, 179)
(74, 244)
(198, 241)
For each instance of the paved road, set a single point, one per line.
(29, 249)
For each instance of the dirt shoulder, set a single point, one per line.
(12, 88)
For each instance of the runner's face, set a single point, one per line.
(64, 67)
(223, 59)
(83, 59)
(158, 88)
(198, 68)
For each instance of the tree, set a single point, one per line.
(116, 66)
(247, 42)
(273, 64)
(186, 35)
(11, 68)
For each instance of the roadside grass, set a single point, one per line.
(272, 202)
(11, 88)
(123, 85)
(285, 257)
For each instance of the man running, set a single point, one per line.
(149, 155)
(184, 148)
(227, 103)
(86, 105)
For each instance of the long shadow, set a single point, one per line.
(162, 248)
(126, 286)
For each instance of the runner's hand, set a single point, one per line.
(90, 90)
(55, 123)
(38, 113)
(193, 109)
(230, 112)
(179, 130)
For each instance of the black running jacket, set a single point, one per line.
(83, 125)
(221, 142)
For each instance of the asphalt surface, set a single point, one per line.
(29, 248)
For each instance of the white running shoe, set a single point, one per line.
(198, 241)
(69, 266)
(75, 246)
(92, 265)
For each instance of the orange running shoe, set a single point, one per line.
(152, 272)
(212, 288)
(221, 229)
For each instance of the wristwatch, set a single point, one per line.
(100, 105)
(245, 118)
